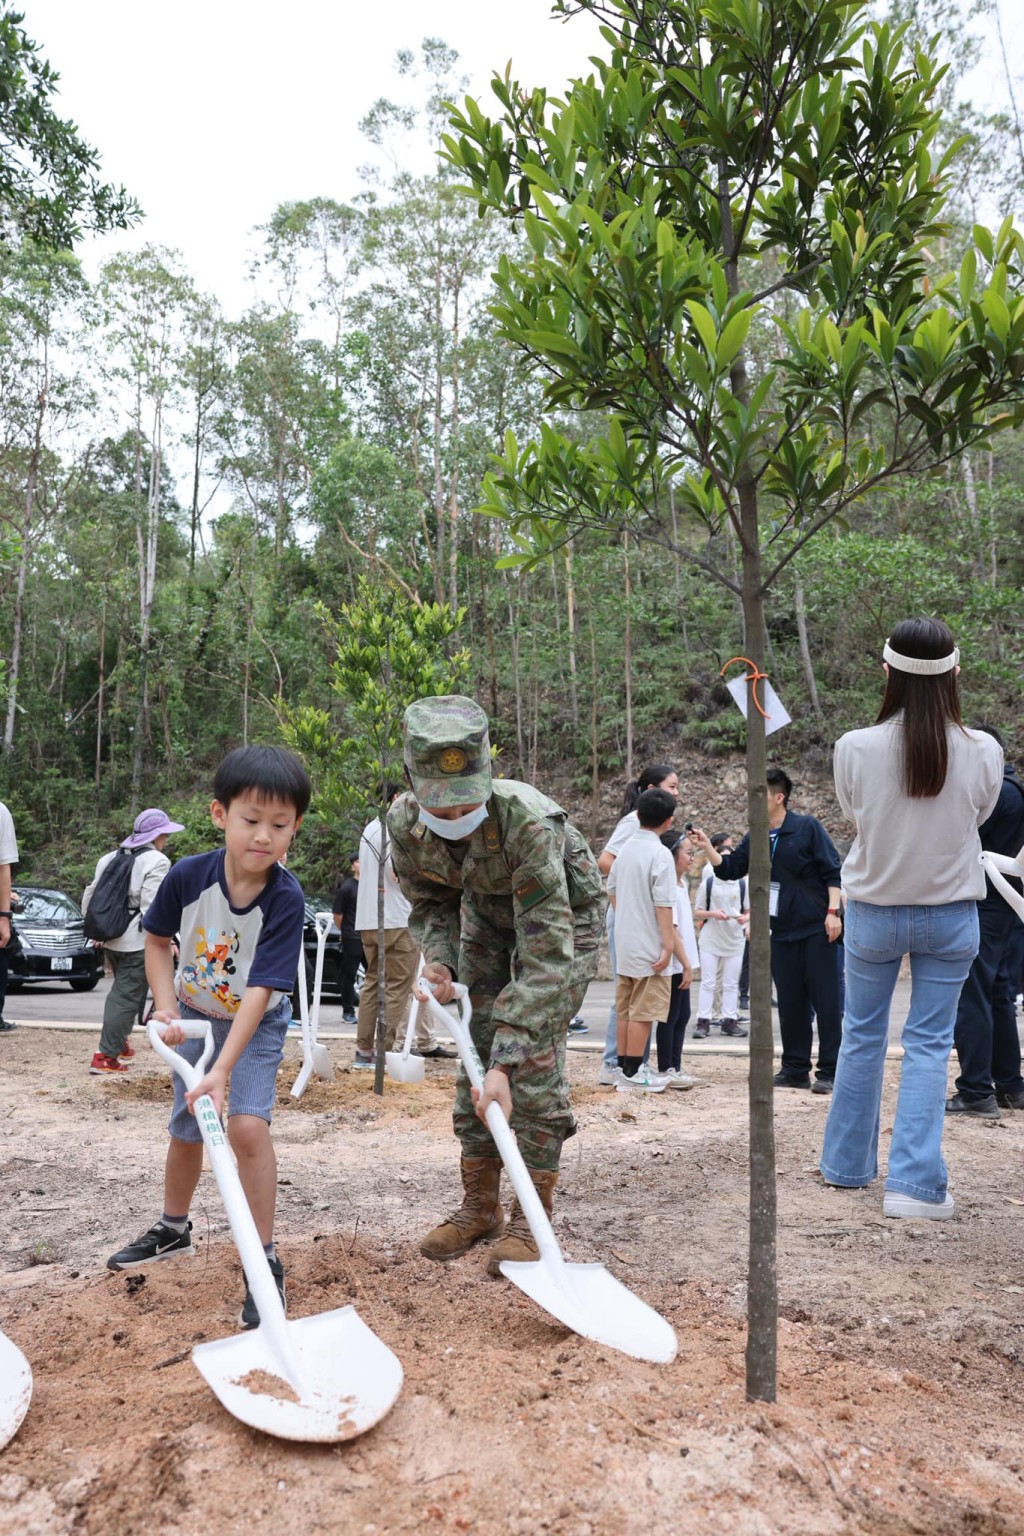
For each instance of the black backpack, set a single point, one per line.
(110, 910)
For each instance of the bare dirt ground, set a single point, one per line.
(901, 1345)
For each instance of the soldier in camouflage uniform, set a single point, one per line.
(507, 899)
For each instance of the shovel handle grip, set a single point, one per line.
(997, 866)
(192, 1029)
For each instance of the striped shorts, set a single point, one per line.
(253, 1085)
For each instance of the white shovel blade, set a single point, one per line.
(590, 1301)
(405, 1069)
(322, 1064)
(349, 1378)
(15, 1388)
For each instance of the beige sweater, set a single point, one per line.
(915, 853)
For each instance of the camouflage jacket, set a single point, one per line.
(526, 871)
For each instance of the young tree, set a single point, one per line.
(388, 652)
(733, 170)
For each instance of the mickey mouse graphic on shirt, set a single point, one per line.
(213, 968)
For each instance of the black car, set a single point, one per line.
(53, 945)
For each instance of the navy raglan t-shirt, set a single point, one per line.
(225, 949)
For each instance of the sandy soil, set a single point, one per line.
(900, 1366)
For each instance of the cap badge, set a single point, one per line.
(451, 760)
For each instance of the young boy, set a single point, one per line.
(239, 914)
(642, 889)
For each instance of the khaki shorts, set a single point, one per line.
(643, 997)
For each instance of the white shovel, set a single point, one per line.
(315, 1057)
(402, 1065)
(325, 1378)
(15, 1389)
(585, 1297)
(997, 866)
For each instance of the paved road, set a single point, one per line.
(56, 1006)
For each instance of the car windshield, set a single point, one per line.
(46, 907)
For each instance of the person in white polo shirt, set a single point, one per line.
(401, 957)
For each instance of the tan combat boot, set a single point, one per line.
(480, 1215)
(518, 1243)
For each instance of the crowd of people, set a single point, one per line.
(486, 882)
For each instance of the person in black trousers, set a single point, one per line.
(352, 957)
(806, 922)
(985, 1034)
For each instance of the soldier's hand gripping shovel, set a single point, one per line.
(15, 1389)
(997, 867)
(315, 1057)
(585, 1297)
(403, 1066)
(324, 1378)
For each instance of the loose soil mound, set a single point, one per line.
(900, 1346)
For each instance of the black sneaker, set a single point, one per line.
(733, 1029)
(249, 1317)
(790, 1080)
(160, 1242)
(823, 1085)
(1009, 1100)
(578, 1025)
(981, 1109)
(6, 1026)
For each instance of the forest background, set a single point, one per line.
(181, 487)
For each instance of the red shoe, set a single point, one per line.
(126, 1052)
(102, 1064)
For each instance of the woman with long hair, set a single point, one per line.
(917, 785)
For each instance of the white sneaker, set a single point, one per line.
(676, 1079)
(645, 1081)
(909, 1209)
(608, 1076)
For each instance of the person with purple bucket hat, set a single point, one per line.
(126, 951)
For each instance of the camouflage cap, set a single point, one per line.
(448, 751)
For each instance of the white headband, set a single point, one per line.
(918, 664)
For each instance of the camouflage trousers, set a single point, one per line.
(541, 1116)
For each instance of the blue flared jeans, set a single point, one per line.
(941, 942)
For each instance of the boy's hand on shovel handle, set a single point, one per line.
(215, 1083)
(171, 1033)
(496, 1090)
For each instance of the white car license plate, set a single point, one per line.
(61, 963)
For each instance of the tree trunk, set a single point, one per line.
(628, 655)
(570, 614)
(14, 671)
(805, 649)
(99, 705)
(762, 1269)
(762, 1274)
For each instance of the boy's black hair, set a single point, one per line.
(779, 782)
(271, 773)
(654, 807)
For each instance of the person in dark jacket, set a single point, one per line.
(985, 1034)
(806, 922)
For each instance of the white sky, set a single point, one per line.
(212, 112)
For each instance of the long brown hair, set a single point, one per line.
(929, 704)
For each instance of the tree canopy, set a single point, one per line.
(50, 186)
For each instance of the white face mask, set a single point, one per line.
(460, 827)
